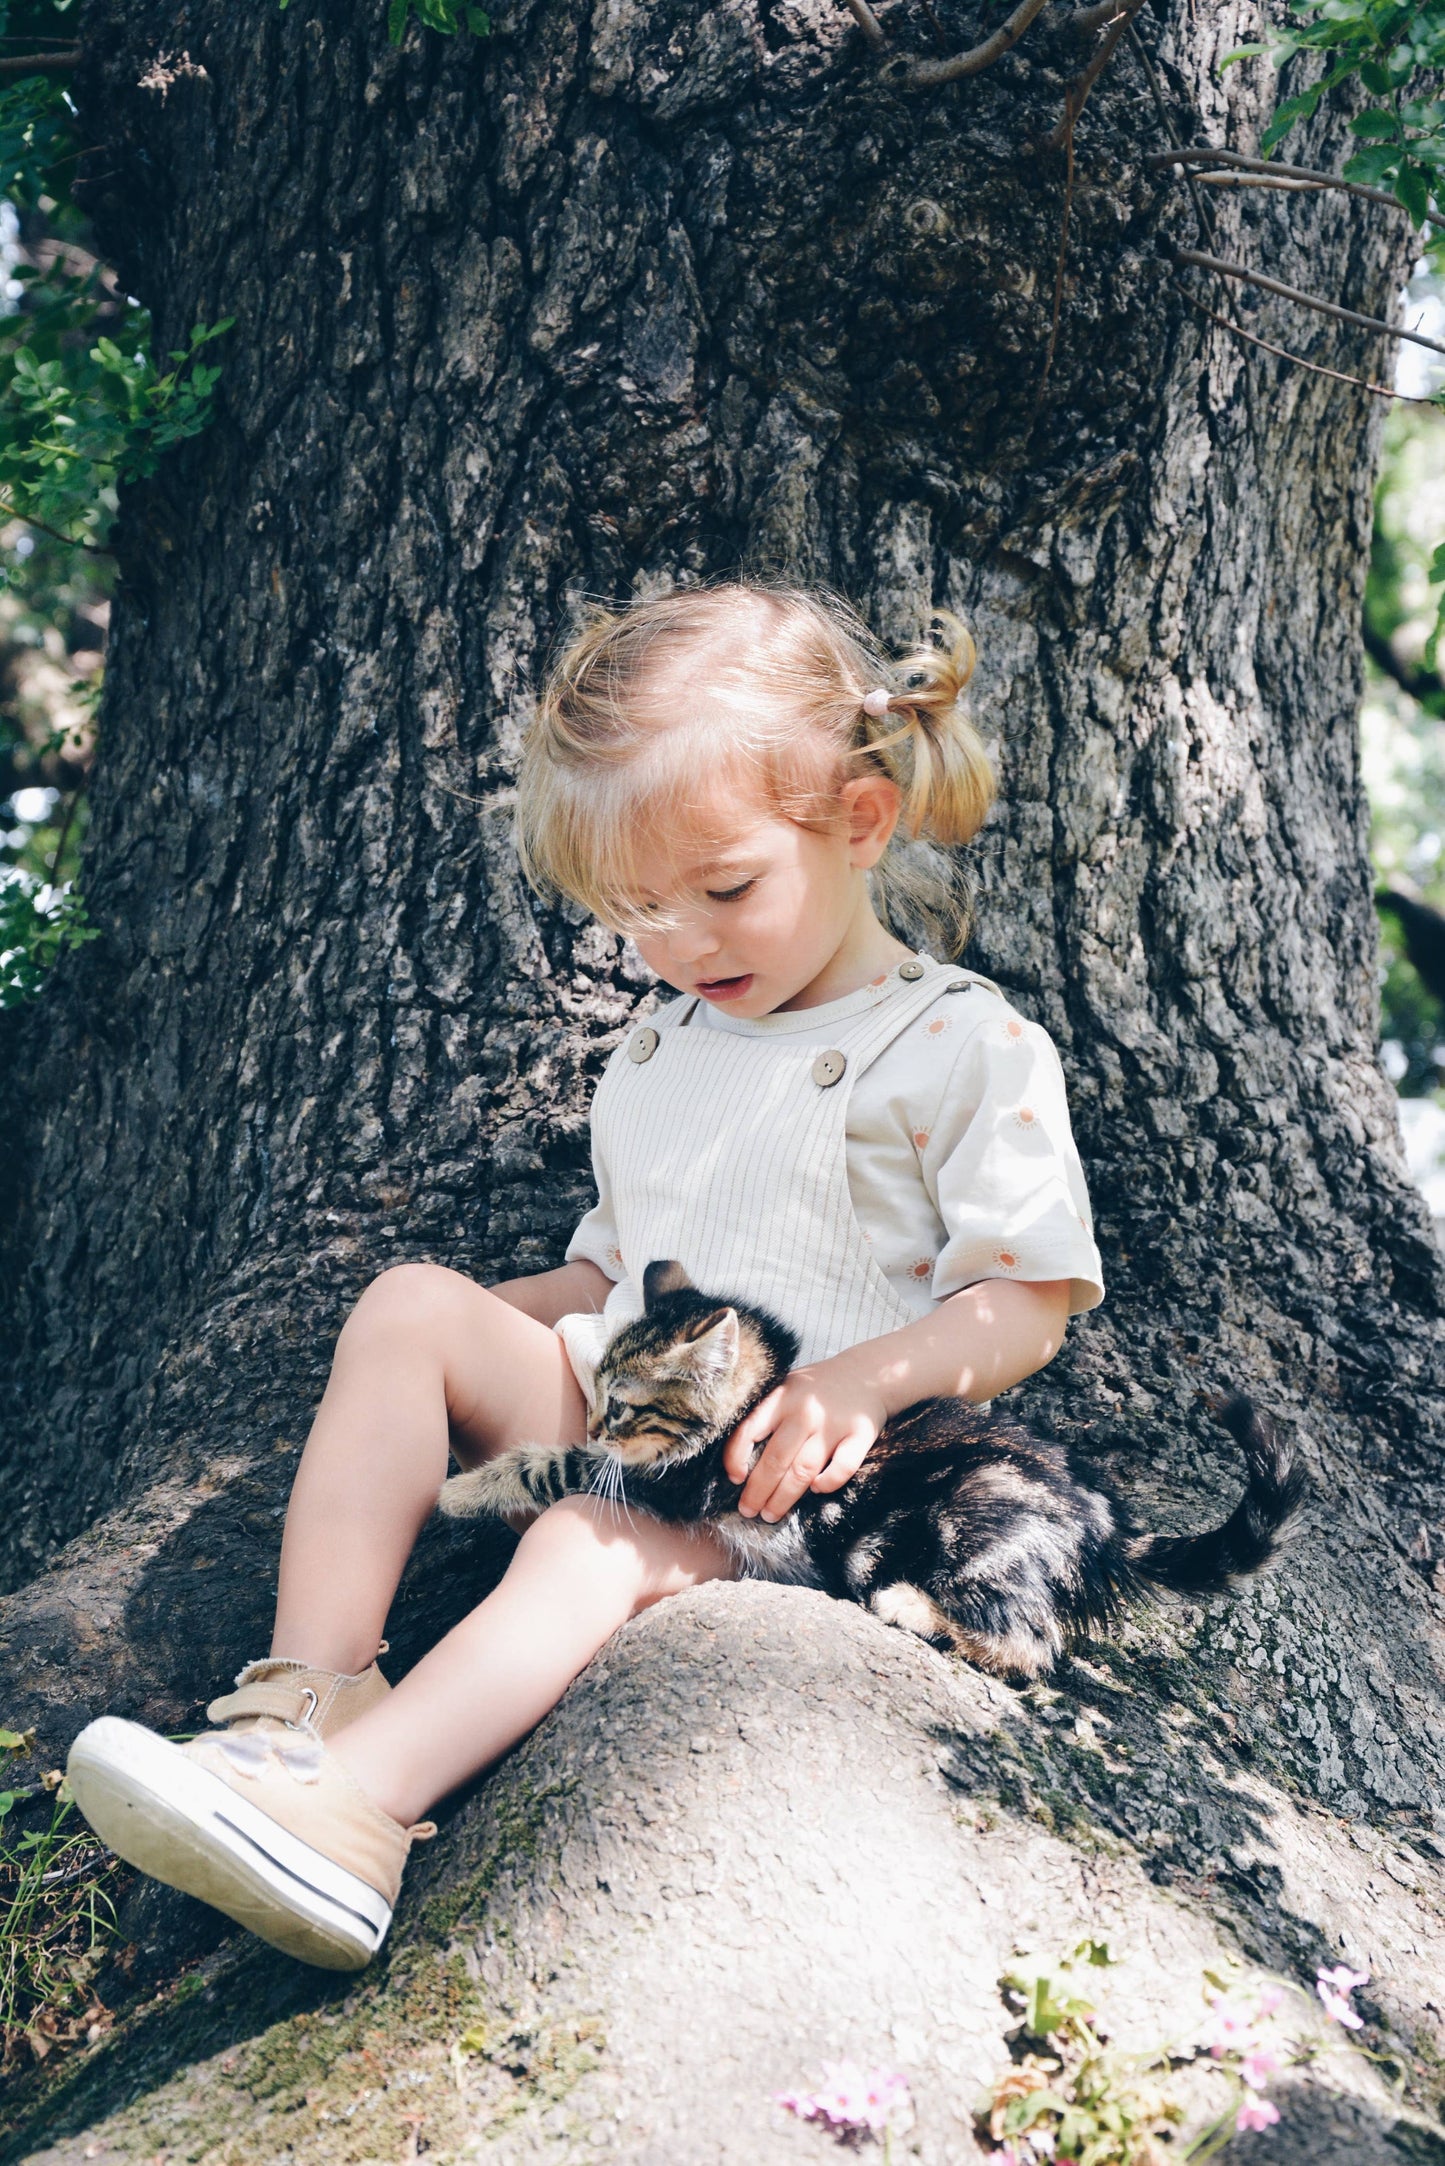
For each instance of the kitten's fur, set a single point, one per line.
(960, 1525)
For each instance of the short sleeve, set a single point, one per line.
(1002, 1168)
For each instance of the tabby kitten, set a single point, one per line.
(960, 1525)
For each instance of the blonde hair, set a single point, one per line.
(761, 686)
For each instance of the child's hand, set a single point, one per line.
(820, 1422)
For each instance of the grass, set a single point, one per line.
(58, 1914)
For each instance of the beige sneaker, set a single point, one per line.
(258, 1820)
(279, 1691)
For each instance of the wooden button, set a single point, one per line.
(643, 1045)
(828, 1069)
(911, 971)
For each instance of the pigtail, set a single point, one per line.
(937, 756)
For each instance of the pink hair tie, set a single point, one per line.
(876, 702)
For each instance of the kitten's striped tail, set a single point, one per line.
(1255, 1530)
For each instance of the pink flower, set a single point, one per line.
(1256, 2113)
(1233, 2027)
(1258, 2066)
(852, 2100)
(1334, 1988)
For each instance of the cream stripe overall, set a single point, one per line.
(728, 1152)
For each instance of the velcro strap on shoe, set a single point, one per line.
(287, 1701)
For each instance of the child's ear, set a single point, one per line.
(871, 805)
(711, 1346)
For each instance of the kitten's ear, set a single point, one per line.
(711, 1345)
(663, 1277)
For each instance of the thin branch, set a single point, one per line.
(867, 22)
(1316, 368)
(65, 826)
(1079, 90)
(71, 541)
(1054, 321)
(1306, 300)
(940, 37)
(57, 63)
(1085, 21)
(1259, 180)
(1166, 122)
(928, 74)
(1203, 154)
(1412, 677)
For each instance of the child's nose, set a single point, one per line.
(691, 939)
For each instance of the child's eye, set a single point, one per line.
(732, 894)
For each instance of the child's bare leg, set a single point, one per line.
(581, 1570)
(426, 1357)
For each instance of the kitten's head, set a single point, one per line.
(685, 1373)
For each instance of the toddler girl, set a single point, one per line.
(865, 1140)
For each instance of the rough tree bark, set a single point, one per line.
(620, 295)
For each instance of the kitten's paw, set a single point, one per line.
(911, 1610)
(489, 1490)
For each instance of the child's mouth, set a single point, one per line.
(725, 988)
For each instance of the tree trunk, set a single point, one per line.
(611, 298)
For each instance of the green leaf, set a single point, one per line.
(1376, 124)
(1286, 115)
(1022, 2112)
(7, 1799)
(1376, 163)
(1412, 186)
(479, 22)
(11, 1740)
(1437, 565)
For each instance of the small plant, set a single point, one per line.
(58, 1916)
(1081, 2102)
(37, 923)
(76, 424)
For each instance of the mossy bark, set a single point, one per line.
(628, 294)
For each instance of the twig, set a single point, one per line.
(1166, 122)
(928, 74)
(1079, 90)
(867, 22)
(1085, 21)
(65, 826)
(1412, 677)
(1316, 368)
(1203, 154)
(1053, 344)
(1258, 180)
(58, 63)
(1223, 269)
(71, 541)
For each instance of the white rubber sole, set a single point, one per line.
(176, 1821)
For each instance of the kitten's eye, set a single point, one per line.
(732, 894)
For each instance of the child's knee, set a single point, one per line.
(408, 1299)
(635, 1556)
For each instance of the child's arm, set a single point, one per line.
(821, 1421)
(550, 1294)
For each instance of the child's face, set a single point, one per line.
(753, 922)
